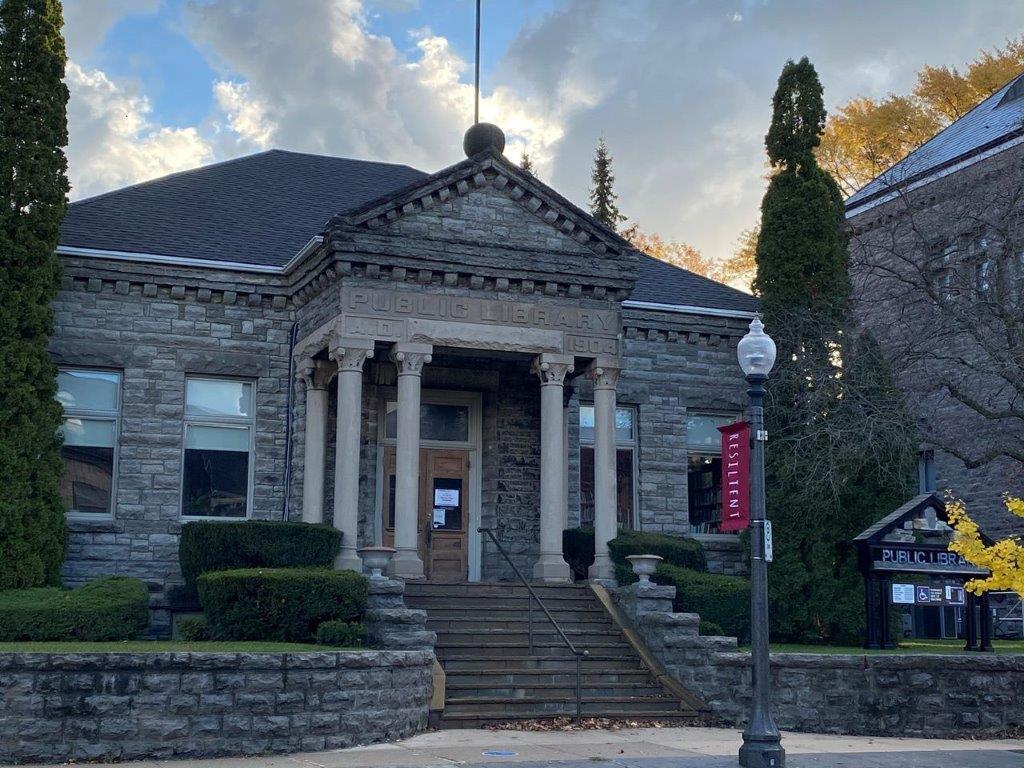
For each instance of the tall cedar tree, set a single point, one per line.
(602, 194)
(33, 188)
(842, 447)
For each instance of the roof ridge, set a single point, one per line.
(172, 175)
(887, 184)
(232, 160)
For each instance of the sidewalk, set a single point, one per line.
(636, 748)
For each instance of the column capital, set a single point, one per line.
(552, 368)
(410, 357)
(315, 374)
(350, 354)
(604, 372)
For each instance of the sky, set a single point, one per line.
(680, 89)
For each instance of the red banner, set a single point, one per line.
(735, 476)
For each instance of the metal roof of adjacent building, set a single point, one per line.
(988, 127)
(262, 209)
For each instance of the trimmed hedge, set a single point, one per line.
(194, 629)
(279, 604)
(113, 608)
(677, 550)
(720, 600)
(219, 546)
(578, 549)
(343, 634)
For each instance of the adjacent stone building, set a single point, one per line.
(938, 262)
(409, 356)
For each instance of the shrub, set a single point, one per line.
(113, 608)
(193, 629)
(578, 550)
(710, 629)
(677, 550)
(279, 604)
(721, 600)
(349, 634)
(219, 546)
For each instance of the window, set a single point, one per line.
(218, 448)
(625, 464)
(91, 401)
(704, 470)
(982, 283)
(443, 422)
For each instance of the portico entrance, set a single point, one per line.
(448, 508)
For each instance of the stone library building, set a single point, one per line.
(408, 356)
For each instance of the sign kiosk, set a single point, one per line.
(905, 561)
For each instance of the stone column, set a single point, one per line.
(409, 359)
(605, 374)
(349, 354)
(315, 374)
(552, 370)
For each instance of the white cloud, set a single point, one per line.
(310, 76)
(247, 117)
(113, 142)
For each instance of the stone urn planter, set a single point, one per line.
(643, 566)
(376, 559)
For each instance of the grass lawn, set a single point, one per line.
(157, 646)
(906, 646)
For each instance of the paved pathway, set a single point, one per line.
(632, 748)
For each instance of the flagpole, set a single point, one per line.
(476, 79)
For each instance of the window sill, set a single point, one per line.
(92, 523)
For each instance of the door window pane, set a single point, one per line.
(219, 398)
(624, 486)
(438, 421)
(88, 390)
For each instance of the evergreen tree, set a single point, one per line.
(525, 163)
(842, 445)
(602, 194)
(33, 190)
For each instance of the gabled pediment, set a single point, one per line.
(488, 214)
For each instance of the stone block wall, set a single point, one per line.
(156, 326)
(724, 553)
(58, 708)
(934, 696)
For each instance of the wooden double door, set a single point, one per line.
(442, 519)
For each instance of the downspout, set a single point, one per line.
(292, 339)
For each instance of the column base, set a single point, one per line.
(552, 567)
(406, 564)
(602, 571)
(348, 560)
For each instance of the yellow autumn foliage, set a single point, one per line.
(1004, 558)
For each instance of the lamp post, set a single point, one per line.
(762, 743)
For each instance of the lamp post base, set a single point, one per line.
(762, 754)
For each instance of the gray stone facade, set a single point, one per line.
(917, 259)
(479, 238)
(933, 696)
(123, 706)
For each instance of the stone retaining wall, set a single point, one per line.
(121, 706)
(938, 696)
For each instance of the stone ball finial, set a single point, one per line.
(483, 136)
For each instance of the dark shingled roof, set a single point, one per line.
(263, 208)
(996, 120)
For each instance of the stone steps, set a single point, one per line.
(492, 673)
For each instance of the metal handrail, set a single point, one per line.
(579, 654)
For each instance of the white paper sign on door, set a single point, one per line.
(446, 497)
(440, 517)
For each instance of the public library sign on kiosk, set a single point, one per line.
(420, 354)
